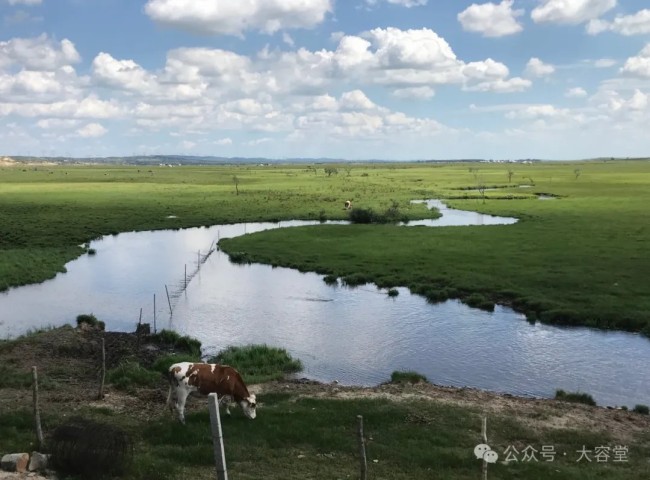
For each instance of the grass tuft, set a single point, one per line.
(575, 397)
(258, 363)
(408, 376)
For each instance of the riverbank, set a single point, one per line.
(579, 260)
(307, 430)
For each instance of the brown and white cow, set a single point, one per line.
(205, 378)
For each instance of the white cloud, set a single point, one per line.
(575, 92)
(490, 19)
(39, 53)
(637, 24)
(223, 141)
(286, 38)
(571, 12)
(420, 93)
(259, 141)
(638, 66)
(56, 123)
(536, 68)
(403, 3)
(25, 2)
(515, 84)
(234, 17)
(124, 74)
(605, 63)
(92, 130)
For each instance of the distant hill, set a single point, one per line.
(210, 160)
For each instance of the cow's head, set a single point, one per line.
(249, 405)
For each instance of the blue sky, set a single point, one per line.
(356, 79)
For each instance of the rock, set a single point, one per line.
(15, 462)
(38, 462)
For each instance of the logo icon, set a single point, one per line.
(483, 451)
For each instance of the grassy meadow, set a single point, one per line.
(413, 431)
(580, 259)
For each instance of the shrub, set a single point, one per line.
(91, 321)
(130, 374)
(258, 363)
(642, 409)
(393, 292)
(575, 397)
(408, 376)
(362, 215)
(331, 279)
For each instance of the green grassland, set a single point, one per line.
(580, 259)
(302, 430)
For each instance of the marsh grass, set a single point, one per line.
(581, 260)
(408, 376)
(258, 363)
(575, 397)
(642, 409)
(91, 321)
(180, 343)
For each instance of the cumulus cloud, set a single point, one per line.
(92, 130)
(490, 19)
(39, 53)
(536, 68)
(403, 3)
(637, 24)
(419, 93)
(638, 66)
(571, 12)
(223, 141)
(227, 17)
(575, 92)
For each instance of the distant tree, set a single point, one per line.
(577, 173)
(481, 188)
(331, 170)
(511, 172)
(235, 180)
(348, 170)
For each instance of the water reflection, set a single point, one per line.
(356, 336)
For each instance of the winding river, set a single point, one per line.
(355, 336)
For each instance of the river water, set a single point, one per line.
(355, 336)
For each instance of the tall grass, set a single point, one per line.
(258, 363)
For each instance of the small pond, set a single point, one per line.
(355, 336)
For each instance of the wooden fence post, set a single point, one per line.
(139, 329)
(100, 395)
(37, 410)
(154, 313)
(169, 301)
(362, 448)
(217, 437)
(485, 441)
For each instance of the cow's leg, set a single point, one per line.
(181, 397)
(225, 400)
(169, 399)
